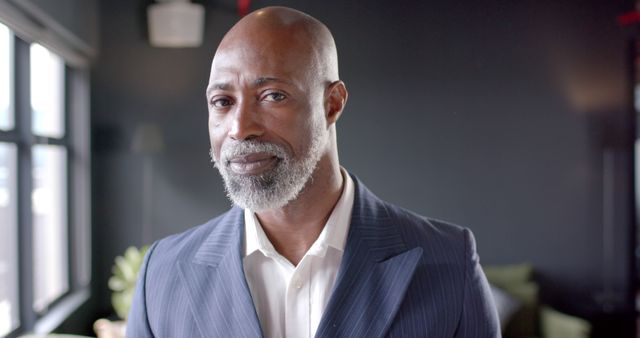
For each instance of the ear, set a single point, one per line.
(335, 100)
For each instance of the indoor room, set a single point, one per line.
(500, 138)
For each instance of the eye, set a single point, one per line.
(274, 97)
(220, 102)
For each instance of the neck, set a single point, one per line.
(293, 228)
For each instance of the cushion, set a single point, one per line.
(505, 275)
(524, 321)
(515, 280)
(558, 325)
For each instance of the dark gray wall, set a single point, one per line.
(489, 114)
(79, 17)
(73, 21)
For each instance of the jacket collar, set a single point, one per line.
(214, 278)
(375, 272)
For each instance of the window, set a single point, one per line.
(50, 232)
(9, 286)
(49, 188)
(6, 88)
(44, 175)
(47, 92)
(9, 291)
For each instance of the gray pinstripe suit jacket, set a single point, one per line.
(401, 276)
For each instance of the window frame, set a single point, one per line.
(77, 145)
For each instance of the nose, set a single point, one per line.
(245, 123)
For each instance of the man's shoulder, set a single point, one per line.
(185, 244)
(440, 240)
(427, 225)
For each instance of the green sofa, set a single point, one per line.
(527, 317)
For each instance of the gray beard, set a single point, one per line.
(273, 188)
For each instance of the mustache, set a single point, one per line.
(231, 149)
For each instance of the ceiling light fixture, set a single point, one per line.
(175, 23)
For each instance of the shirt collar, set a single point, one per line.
(334, 233)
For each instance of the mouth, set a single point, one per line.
(252, 164)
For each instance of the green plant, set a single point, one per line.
(123, 281)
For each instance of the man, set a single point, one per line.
(307, 250)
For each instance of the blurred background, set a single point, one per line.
(516, 119)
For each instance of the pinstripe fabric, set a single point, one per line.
(402, 275)
(193, 285)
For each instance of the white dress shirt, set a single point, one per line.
(290, 299)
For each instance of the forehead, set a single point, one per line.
(263, 55)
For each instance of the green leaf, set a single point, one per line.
(123, 281)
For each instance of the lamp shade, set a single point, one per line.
(176, 23)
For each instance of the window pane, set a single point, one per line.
(47, 92)
(8, 240)
(6, 83)
(50, 230)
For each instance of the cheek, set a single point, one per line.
(216, 137)
(302, 133)
(292, 127)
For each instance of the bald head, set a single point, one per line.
(280, 34)
(274, 97)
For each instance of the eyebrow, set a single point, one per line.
(217, 86)
(266, 79)
(257, 83)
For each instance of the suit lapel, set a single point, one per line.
(374, 275)
(218, 292)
